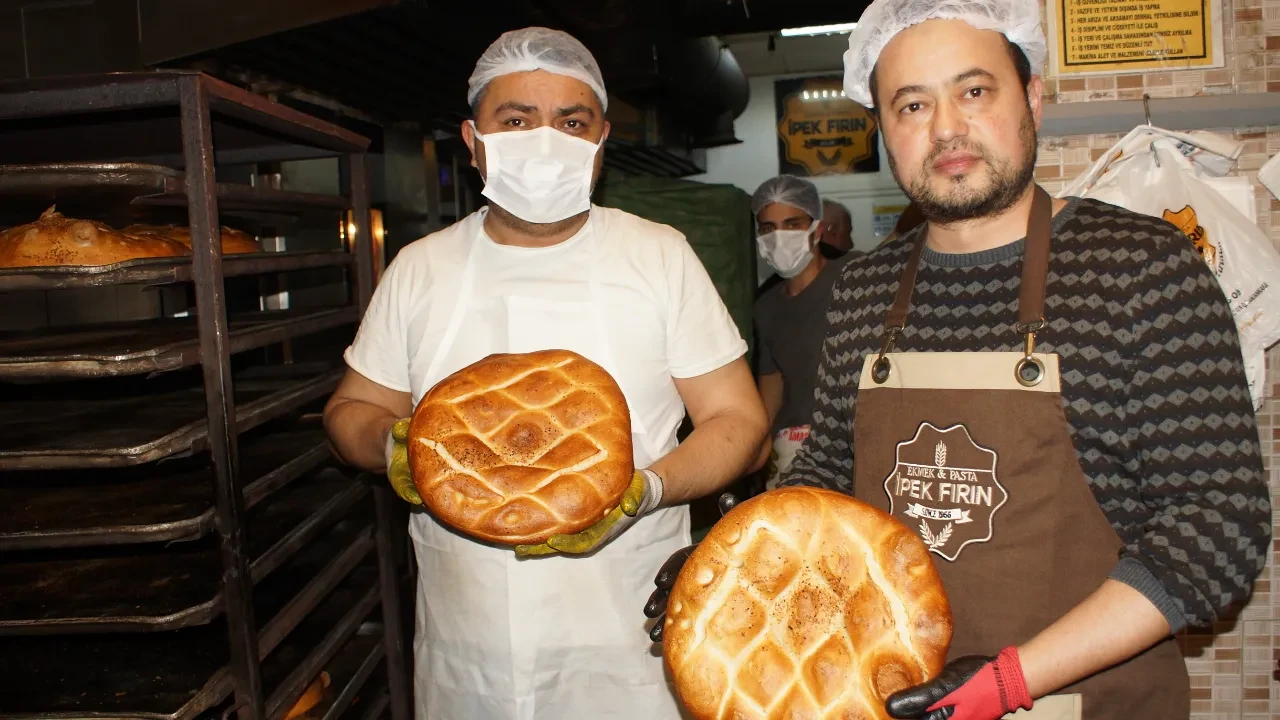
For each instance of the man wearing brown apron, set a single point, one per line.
(1051, 393)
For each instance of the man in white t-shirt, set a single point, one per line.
(545, 632)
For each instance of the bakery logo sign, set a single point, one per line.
(944, 486)
(821, 131)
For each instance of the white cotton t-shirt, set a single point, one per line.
(664, 318)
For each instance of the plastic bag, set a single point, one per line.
(1177, 177)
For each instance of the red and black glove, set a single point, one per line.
(968, 688)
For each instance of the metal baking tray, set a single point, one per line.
(134, 420)
(161, 271)
(169, 500)
(351, 669)
(144, 184)
(163, 587)
(373, 706)
(181, 674)
(291, 668)
(156, 345)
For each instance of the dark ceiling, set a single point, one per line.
(410, 61)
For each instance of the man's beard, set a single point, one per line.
(1007, 182)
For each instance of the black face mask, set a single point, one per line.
(830, 252)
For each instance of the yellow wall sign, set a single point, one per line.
(822, 132)
(1118, 36)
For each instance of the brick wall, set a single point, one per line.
(1233, 668)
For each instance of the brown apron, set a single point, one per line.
(972, 451)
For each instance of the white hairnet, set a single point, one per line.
(1018, 20)
(788, 190)
(537, 48)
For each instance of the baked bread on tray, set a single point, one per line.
(55, 239)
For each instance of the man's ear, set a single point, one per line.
(469, 137)
(1035, 98)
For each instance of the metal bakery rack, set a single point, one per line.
(176, 540)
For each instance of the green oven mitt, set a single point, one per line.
(398, 463)
(640, 498)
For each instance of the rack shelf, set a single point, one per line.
(51, 429)
(176, 675)
(350, 670)
(184, 428)
(290, 669)
(371, 707)
(149, 346)
(163, 271)
(145, 184)
(169, 501)
(164, 588)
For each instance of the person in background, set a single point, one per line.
(534, 633)
(836, 232)
(790, 317)
(1048, 392)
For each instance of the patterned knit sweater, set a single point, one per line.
(1153, 389)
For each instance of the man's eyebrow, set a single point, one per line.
(574, 110)
(906, 90)
(971, 74)
(518, 107)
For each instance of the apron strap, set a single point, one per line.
(897, 317)
(1035, 263)
(1031, 292)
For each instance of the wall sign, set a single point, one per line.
(1119, 36)
(885, 218)
(822, 132)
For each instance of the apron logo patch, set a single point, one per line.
(944, 485)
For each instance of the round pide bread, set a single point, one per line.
(516, 448)
(804, 603)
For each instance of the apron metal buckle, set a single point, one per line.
(1030, 370)
(881, 369)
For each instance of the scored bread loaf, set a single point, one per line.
(516, 448)
(233, 241)
(804, 603)
(55, 239)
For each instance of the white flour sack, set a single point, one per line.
(1178, 177)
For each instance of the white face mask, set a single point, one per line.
(540, 176)
(788, 252)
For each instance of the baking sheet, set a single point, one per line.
(155, 345)
(169, 500)
(175, 675)
(163, 586)
(133, 420)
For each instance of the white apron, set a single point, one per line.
(548, 638)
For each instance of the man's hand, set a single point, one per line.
(667, 574)
(972, 687)
(640, 498)
(398, 463)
